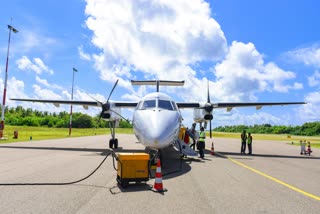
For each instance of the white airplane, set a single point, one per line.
(157, 118)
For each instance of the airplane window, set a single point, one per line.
(165, 104)
(148, 104)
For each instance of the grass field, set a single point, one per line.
(314, 140)
(27, 133)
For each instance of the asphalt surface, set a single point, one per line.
(275, 179)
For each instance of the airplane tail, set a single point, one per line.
(157, 83)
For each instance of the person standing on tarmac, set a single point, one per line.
(250, 143)
(309, 148)
(303, 147)
(201, 143)
(193, 135)
(243, 141)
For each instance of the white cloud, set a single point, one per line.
(310, 111)
(166, 40)
(83, 55)
(28, 41)
(15, 89)
(236, 117)
(314, 80)
(245, 119)
(154, 40)
(36, 66)
(243, 73)
(42, 93)
(308, 56)
(49, 85)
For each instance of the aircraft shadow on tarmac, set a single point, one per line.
(172, 165)
(264, 155)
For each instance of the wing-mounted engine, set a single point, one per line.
(111, 112)
(204, 112)
(200, 115)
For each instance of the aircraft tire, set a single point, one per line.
(116, 143)
(111, 143)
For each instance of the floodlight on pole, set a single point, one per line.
(70, 122)
(5, 82)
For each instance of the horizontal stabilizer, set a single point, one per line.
(156, 82)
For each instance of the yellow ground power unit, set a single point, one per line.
(132, 167)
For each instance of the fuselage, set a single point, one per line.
(156, 120)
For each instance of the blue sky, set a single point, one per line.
(249, 51)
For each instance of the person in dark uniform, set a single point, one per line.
(193, 135)
(243, 141)
(250, 143)
(201, 142)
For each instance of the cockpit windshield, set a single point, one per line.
(148, 104)
(165, 104)
(157, 103)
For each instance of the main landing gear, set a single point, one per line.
(113, 142)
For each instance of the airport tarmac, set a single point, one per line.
(275, 179)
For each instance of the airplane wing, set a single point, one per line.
(123, 104)
(229, 106)
(85, 104)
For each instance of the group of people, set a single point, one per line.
(305, 151)
(246, 139)
(198, 139)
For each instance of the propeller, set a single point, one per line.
(209, 107)
(106, 106)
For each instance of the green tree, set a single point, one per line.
(82, 121)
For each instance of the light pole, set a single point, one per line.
(70, 123)
(5, 82)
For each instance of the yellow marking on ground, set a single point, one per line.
(272, 178)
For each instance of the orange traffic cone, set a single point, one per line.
(212, 149)
(158, 187)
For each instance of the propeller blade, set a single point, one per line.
(208, 99)
(100, 116)
(112, 89)
(210, 130)
(95, 99)
(120, 115)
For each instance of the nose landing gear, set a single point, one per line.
(113, 142)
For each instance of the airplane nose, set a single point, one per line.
(161, 128)
(157, 126)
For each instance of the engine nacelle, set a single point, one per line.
(208, 117)
(111, 115)
(201, 115)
